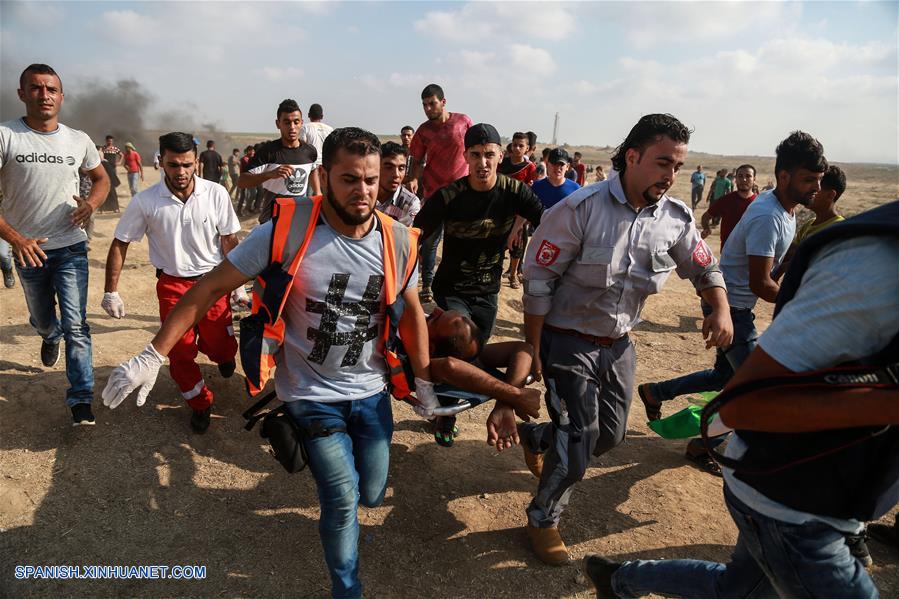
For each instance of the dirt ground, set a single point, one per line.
(140, 488)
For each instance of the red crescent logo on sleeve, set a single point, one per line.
(547, 253)
(702, 255)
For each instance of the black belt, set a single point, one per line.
(594, 339)
(159, 273)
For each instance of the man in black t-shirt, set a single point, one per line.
(478, 214)
(211, 163)
(283, 167)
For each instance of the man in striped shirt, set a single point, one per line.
(394, 199)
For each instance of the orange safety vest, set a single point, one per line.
(293, 225)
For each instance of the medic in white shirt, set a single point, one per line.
(191, 226)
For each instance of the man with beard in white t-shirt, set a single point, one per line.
(331, 372)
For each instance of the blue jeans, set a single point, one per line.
(428, 254)
(349, 468)
(134, 183)
(726, 361)
(63, 278)
(696, 195)
(771, 559)
(5, 255)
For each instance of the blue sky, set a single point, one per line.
(743, 74)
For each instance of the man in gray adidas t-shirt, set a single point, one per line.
(330, 372)
(43, 219)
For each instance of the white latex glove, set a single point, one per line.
(239, 297)
(427, 399)
(113, 304)
(137, 373)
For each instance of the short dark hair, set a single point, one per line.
(177, 143)
(546, 152)
(110, 137)
(532, 139)
(519, 135)
(742, 166)
(835, 180)
(408, 128)
(800, 150)
(432, 89)
(38, 68)
(391, 148)
(316, 112)
(235, 150)
(453, 346)
(647, 130)
(352, 139)
(288, 106)
(209, 144)
(578, 155)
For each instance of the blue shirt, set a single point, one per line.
(765, 229)
(697, 179)
(550, 195)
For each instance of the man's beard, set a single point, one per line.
(347, 218)
(174, 187)
(798, 197)
(650, 199)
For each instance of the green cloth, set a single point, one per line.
(683, 424)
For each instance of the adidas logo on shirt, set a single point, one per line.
(34, 157)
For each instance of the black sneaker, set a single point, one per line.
(49, 353)
(227, 369)
(199, 421)
(599, 571)
(859, 548)
(9, 279)
(82, 415)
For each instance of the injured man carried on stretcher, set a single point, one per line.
(466, 374)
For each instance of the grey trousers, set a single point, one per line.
(588, 395)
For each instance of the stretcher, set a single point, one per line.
(455, 401)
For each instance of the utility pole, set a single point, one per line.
(556, 130)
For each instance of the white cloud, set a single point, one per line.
(129, 27)
(35, 14)
(372, 82)
(584, 88)
(822, 54)
(281, 74)
(492, 21)
(536, 60)
(659, 23)
(742, 100)
(208, 26)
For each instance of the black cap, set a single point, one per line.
(482, 133)
(557, 155)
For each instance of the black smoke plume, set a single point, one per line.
(125, 110)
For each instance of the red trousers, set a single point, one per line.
(213, 335)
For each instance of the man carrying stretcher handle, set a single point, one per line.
(338, 270)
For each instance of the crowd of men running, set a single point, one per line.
(344, 259)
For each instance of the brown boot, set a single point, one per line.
(533, 460)
(548, 545)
